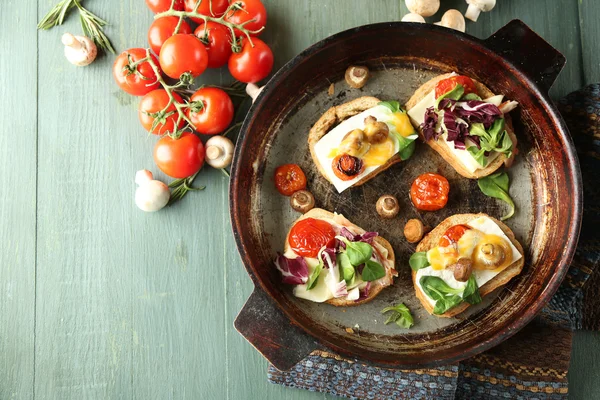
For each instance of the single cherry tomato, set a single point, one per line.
(347, 167)
(210, 110)
(309, 235)
(429, 192)
(137, 80)
(252, 64)
(162, 29)
(155, 102)
(183, 53)
(210, 8)
(452, 235)
(446, 85)
(250, 10)
(217, 39)
(179, 158)
(158, 6)
(289, 178)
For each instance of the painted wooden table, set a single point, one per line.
(100, 300)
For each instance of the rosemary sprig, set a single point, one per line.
(181, 187)
(90, 22)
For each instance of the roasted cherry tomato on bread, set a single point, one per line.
(155, 102)
(217, 39)
(446, 85)
(183, 53)
(210, 8)
(162, 29)
(252, 64)
(309, 235)
(136, 80)
(452, 235)
(429, 192)
(179, 158)
(158, 6)
(210, 110)
(347, 167)
(289, 178)
(249, 10)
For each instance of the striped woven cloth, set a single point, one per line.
(533, 364)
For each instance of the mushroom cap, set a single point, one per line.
(483, 5)
(152, 196)
(425, 8)
(453, 19)
(84, 55)
(412, 17)
(219, 151)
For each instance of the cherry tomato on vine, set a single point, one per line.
(252, 64)
(210, 8)
(183, 53)
(217, 39)
(429, 192)
(446, 85)
(309, 235)
(137, 80)
(158, 6)
(210, 110)
(179, 158)
(155, 102)
(251, 10)
(289, 178)
(162, 29)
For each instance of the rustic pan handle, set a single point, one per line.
(262, 324)
(529, 52)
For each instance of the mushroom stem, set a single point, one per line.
(71, 41)
(473, 12)
(253, 90)
(213, 152)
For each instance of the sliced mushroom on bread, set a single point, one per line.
(466, 123)
(329, 259)
(353, 142)
(463, 259)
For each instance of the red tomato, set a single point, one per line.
(217, 39)
(210, 8)
(308, 235)
(453, 234)
(162, 29)
(347, 167)
(446, 85)
(154, 102)
(158, 6)
(429, 192)
(252, 64)
(136, 83)
(289, 178)
(213, 111)
(179, 158)
(183, 53)
(251, 10)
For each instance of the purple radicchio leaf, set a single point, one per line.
(328, 257)
(447, 103)
(336, 286)
(458, 130)
(294, 270)
(366, 237)
(365, 292)
(429, 124)
(478, 111)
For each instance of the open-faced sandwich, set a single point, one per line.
(353, 142)
(329, 259)
(464, 258)
(465, 123)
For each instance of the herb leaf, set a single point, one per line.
(312, 279)
(445, 304)
(470, 96)
(408, 151)
(471, 293)
(496, 185)
(445, 296)
(454, 94)
(346, 268)
(372, 271)
(358, 252)
(393, 106)
(418, 260)
(478, 154)
(400, 315)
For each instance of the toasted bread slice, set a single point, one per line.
(376, 286)
(333, 117)
(441, 146)
(432, 239)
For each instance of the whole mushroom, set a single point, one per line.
(476, 7)
(462, 269)
(412, 17)
(357, 77)
(387, 206)
(453, 19)
(302, 201)
(219, 152)
(151, 195)
(425, 8)
(79, 50)
(414, 230)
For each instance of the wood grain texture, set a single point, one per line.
(131, 305)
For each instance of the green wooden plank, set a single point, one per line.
(584, 373)
(589, 12)
(18, 80)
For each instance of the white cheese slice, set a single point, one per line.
(495, 100)
(485, 225)
(332, 140)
